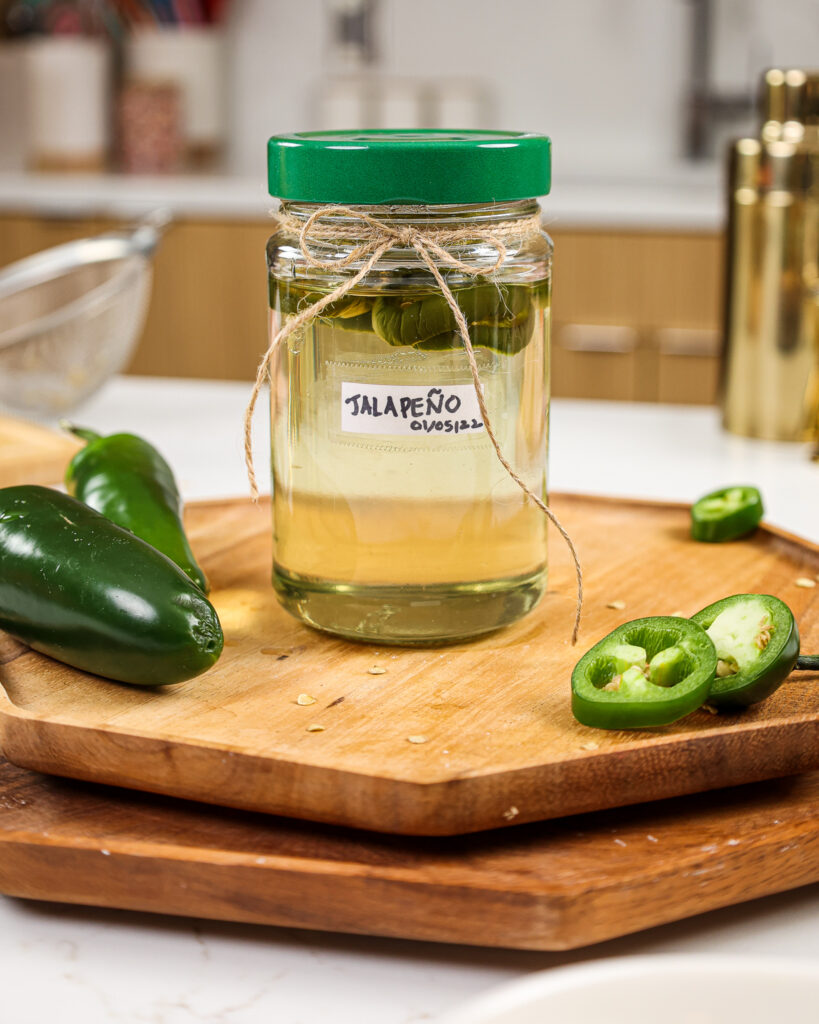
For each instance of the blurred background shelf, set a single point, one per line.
(636, 308)
(678, 197)
(640, 99)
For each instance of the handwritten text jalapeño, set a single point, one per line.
(433, 410)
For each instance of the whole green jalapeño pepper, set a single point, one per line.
(128, 481)
(726, 514)
(757, 644)
(645, 673)
(77, 587)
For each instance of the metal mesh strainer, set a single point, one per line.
(70, 317)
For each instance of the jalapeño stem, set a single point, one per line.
(81, 432)
(807, 663)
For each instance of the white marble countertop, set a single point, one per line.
(679, 199)
(105, 967)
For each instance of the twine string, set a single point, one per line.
(374, 238)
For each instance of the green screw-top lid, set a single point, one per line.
(424, 166)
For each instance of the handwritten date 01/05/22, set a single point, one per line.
(446, 426)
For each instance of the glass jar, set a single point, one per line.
(394, 520)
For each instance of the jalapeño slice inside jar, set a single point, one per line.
(645, 673)
(726, 514)
(500, 317)
(757, 644)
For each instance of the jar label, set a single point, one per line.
(409, 409)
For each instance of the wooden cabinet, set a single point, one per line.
(636, 314)
(207, 316)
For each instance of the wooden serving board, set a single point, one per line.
(550, 886)
(501, 744)
(30, 454)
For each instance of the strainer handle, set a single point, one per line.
(149, 230)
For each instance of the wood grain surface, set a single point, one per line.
(30, 454)
(549, 886)
(501, 746)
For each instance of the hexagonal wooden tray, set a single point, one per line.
(501, 745)
(548, 885)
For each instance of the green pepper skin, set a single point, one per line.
(776, 661)
(713, 526)
(128, 481)
(80, 589)
(290, 299)
(499, 318)
(363, 323)
(659, 705)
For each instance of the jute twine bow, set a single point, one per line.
(374, 238)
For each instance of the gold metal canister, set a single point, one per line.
(789, 105)
(772, 104)
(771, 300)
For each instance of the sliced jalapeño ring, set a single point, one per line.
(727, 514)
(757, 644)
(647, 672)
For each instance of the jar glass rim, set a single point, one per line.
(416, 213)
